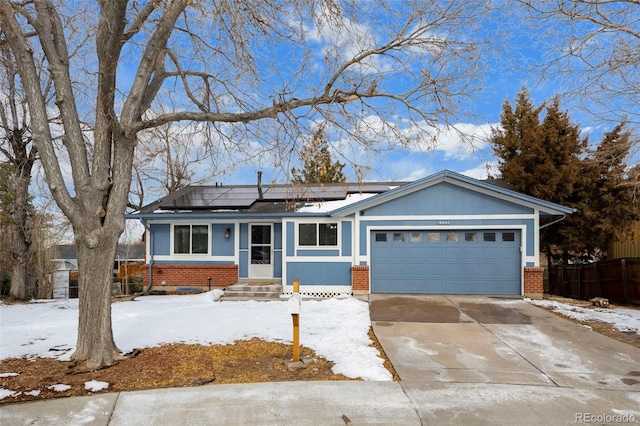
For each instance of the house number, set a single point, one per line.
(444, 222)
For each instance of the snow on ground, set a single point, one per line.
(60, 387)
(336, 329)
(626, 320)
(95, 385)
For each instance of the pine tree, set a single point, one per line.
(550, 160)
(318, 164)
(610, 184)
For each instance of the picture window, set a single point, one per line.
(318, 234)
(191, 239)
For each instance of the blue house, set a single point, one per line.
(443, 234)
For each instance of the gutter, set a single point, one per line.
(142, 221)
(564, 216)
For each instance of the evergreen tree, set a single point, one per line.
(318, 165)
(610, 183)
(550, 161)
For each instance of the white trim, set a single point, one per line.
(321, 259)
(284, 250)
(536, 240)
(519, 216)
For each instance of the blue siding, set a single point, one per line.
(346, 238)
(291, 238)
(319, 273)
(243, 267)
(277, 264)
(531, 235)
(277, 236)
(244, 236)
(446, 199)
(161, 239)
(221, 246)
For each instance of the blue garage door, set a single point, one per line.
(446, 262)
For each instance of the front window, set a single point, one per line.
(191, 239)
(318, 234)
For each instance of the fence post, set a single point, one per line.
(580, 282)
(625, 280)
(598, 285)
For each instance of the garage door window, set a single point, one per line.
(433, 237)
(398, 237)
(415, 237)
(471, 237)
(489, 237)
(381, 237)
(452, 237)
(508, 236)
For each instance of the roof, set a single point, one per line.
(124, 251)
(249, 199)
(491, 187)
(333, 199)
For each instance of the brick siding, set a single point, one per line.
(360, 279)
(533, 282)
(192, 275)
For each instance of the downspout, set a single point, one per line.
(564, 216)
(150, 254)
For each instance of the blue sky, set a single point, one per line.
(505, 72)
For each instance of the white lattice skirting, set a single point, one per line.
(324, 291)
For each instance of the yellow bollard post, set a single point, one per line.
(296, 325)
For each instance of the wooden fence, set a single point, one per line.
(616, 279)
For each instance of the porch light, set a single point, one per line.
(227, 234)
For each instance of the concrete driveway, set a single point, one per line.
(471, 355)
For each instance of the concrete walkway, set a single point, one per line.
(462, 360)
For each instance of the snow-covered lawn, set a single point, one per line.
(336, 329)
(621, 319)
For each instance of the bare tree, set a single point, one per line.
(20, 155)
(593, 52)
(257, 73)
(168, 158)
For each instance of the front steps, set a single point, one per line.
(253, 291)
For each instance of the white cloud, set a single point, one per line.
(459, 141)
(482, 171)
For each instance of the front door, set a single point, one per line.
(260, 251)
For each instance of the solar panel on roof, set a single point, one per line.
(219, 197)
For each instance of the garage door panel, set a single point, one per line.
(449, 262)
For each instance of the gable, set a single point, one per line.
(445, 198)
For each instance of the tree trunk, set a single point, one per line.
(96, 347)
(18, 289)
(21, 232)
